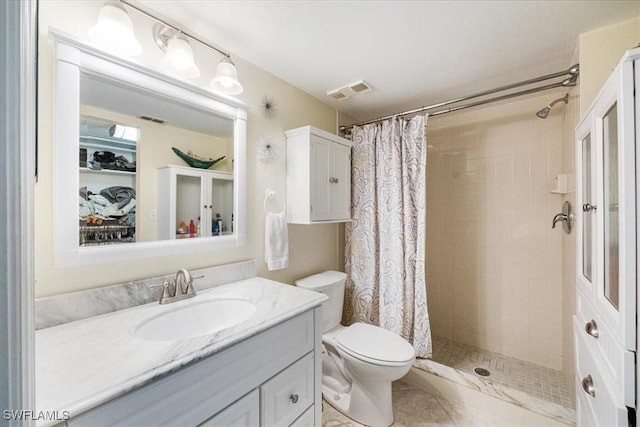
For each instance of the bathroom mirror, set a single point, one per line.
(121, 190)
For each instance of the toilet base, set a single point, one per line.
(372, 408)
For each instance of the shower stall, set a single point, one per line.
(498, 305)
(500, 280)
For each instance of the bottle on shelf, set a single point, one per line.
(192, 228)
(215, 226)
(219, 221)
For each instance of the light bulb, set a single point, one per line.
(114, 30)
(226, 78)
(179, 58)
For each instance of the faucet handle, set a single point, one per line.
(190, 289)
(165, 291)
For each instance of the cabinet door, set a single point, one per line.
(287, 395)
(245, 412)
(320, 209)
(340, 182)
(615, 215)
(188, 201)
(221, 207)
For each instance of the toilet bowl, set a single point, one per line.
(359, 362)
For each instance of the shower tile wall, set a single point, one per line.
(570, 119)
(494, 272)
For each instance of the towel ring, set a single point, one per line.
(270, 193)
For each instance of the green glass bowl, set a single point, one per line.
(196, 163)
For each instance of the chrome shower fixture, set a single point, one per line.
(545, 111)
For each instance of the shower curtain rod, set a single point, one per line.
(573, 73)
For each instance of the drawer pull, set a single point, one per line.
(588, 207)
(587, 386)
(592, 328)
(293, 398)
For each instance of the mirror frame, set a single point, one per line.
(72, 58)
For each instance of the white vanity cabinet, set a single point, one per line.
(605, 321)
(270, 379)
(186, 194)
(318, 176)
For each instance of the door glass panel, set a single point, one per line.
(611, 215)
(188, 195)
(587, 197)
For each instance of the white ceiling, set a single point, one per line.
(412, 53)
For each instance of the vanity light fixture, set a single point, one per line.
(114, 30)
(178, 56)
(226, 78)
(171, 39)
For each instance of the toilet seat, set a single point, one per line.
(374, 345)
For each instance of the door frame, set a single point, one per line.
(18, 129)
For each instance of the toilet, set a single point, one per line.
(359, 362)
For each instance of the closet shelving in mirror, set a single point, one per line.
(107, 163)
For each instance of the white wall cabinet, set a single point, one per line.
(605, 322)
(187, 194)
(271, 379)
(318, 176)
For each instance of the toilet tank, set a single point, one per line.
(330, 283)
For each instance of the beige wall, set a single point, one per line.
(600, 51)
(312, 248)
(494, 272)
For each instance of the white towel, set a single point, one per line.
(276, 241)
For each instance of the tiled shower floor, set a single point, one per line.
(544, 383)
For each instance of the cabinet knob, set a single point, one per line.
(592, 328)
(588, 207)
(293, 398)
(333, 180)
(587, 386)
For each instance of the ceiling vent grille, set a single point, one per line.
(349, 90)
(152, 119)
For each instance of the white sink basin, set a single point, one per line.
(196, 319)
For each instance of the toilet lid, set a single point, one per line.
(373, 342)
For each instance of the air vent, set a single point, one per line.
(349, 90)
(152, 119)
(338, 96)
(360, 87)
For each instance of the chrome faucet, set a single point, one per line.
(566, 217)
(182, 288)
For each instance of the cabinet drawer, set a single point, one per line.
(287, 395)
(305, 420)
(614, 361)
(605, 407)
(245, 412)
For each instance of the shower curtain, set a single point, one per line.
(385, 242)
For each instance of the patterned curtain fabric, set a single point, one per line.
(385, 242)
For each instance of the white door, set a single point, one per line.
(614, 119)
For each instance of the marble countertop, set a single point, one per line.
(82, 364)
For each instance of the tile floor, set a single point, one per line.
(535, 380)
(416, 408)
